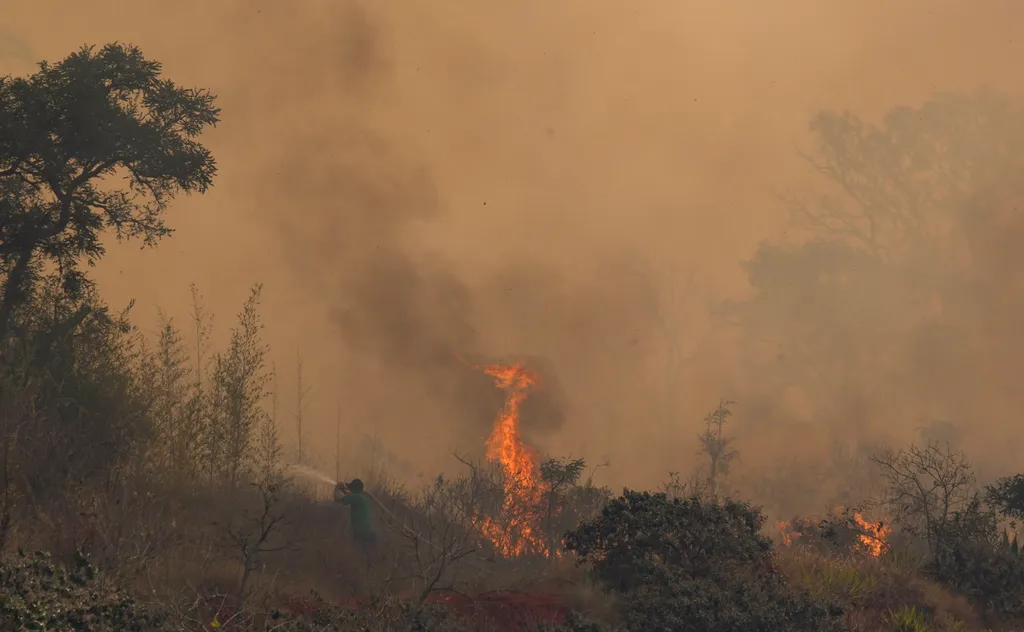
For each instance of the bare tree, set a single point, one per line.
(904, 181)
(258, 531)
(259, 528)
(337, 445)
(274, 401)
(442, 535)
(301, 393)
(925, 487)
(693, 485)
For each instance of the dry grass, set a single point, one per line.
(889, 593)
(879, 593)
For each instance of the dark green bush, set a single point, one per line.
(37, 594)
(1007, 496)
(974, 558)
(990, 575)
(642, 538)
(729, 603)
(694, 565)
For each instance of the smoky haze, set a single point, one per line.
(421, 184)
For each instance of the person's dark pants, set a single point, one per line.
(367, 542)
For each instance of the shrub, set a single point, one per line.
(694, 565)
(36, 594)
(908, 620)
(990, 575)
(641, 538)
(1007, 496)
(971, 557)
(727, 603)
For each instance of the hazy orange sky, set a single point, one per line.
(505, 157)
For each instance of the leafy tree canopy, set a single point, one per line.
(97, 141)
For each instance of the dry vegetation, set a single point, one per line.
(149, 474)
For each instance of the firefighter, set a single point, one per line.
(354, 496)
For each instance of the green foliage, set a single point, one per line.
(99, 427)
(97, 142)
(240, 383)
(845, 582)
(558, 474)
(68, 133)
(908, 620)
(88, 401)
(1012, 545)
(1007, 496)
(640, 536)
(932, 495)
(566, 500)
(176, 409)
(725, 604)
(949, 623)
(691, 564)
(989, 574)
(37, 594)
(716, 445)
(973, 524)
(583, 502)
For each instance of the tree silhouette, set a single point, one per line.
(94, 142)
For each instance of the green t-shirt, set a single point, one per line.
(359, 506)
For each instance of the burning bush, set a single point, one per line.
(845, 530)
(800, 532)
(539, 501)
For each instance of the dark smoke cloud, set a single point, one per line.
(529, 179)
(420, 328)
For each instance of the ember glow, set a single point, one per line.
(518, 532)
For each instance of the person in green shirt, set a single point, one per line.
(354, 496)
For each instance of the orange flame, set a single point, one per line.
(785, 529)
(873, 538)
(504, 445)
(521, 533)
